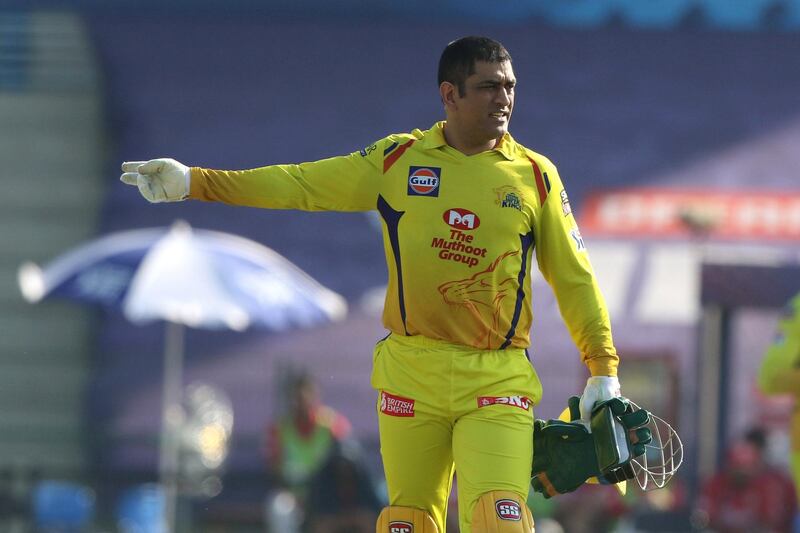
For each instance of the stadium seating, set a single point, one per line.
(141, 510)
(791, 19)
(62, 507)
(576, 12)
(662, 14)
(747, 15)
(15, 49)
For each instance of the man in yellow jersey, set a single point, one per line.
(464, 209)
(780, 374)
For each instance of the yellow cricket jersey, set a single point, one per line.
(780, 369)
(459, 234)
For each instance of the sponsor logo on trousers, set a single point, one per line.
(516, 401)
(396, 405)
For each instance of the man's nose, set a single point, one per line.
(503, 96)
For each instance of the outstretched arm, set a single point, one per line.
(344, 183)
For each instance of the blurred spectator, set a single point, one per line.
(590, 509)
(343, 497)
(748, 495)
(780, 373)
(663, 510)
(299, 444)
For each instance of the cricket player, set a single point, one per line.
(465, 209)
(780, 374)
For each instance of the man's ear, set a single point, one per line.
(447, 91)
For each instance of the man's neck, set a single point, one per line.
(464, 144)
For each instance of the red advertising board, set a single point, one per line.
(643, 212)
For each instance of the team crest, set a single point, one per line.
(508, 196)
(424, 181)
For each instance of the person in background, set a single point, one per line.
(780, 374)
(343, 497)
(748, 495)
(590, 509)
(298, 445)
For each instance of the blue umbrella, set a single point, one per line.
(196, 278)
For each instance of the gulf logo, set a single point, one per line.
(424, 181)
(508, 510)
(463, 219)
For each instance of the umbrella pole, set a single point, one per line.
(171, 418)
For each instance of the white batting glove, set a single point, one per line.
(159, 180)
(598, 389)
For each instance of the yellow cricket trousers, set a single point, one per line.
(445, 407)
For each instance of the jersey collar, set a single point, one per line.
(434, 138)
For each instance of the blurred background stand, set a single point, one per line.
(200, 279)
(725, 289)
(62, 507)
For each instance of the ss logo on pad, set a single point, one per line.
(508, 510)
(400, 527)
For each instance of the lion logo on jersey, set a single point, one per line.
(476, 296)
(508, 196)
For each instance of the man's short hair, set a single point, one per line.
(457, 62)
